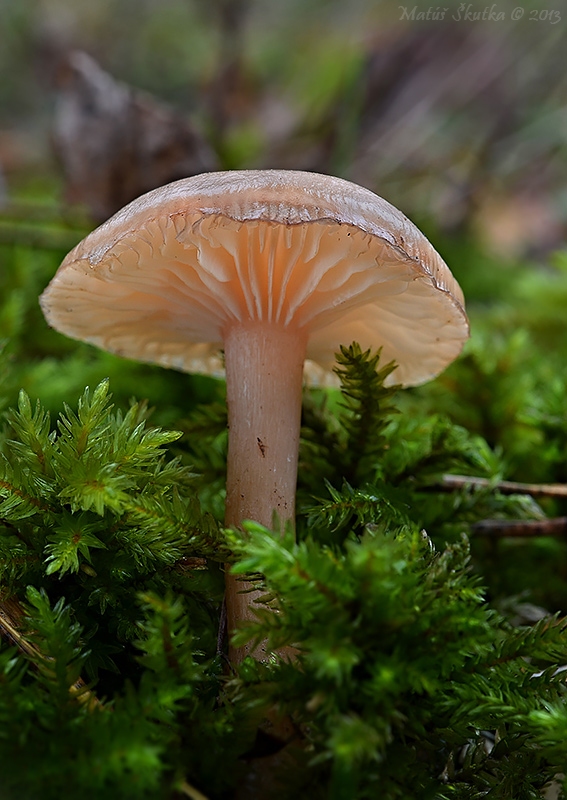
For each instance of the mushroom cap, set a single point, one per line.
(163, 279)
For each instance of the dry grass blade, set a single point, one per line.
(11, 617)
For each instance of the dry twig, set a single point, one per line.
(452, 482)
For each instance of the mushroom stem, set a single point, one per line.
(264, 375)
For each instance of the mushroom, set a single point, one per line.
(278, 268)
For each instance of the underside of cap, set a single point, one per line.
(164, 279)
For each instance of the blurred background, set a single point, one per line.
(459, 120)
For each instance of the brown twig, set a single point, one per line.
(450, 483)
(500, 528)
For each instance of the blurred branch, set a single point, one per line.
(525, 529)
(228, 91)
(41, 213)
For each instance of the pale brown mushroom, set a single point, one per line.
(278, 268)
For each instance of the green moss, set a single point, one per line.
(414, 676)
